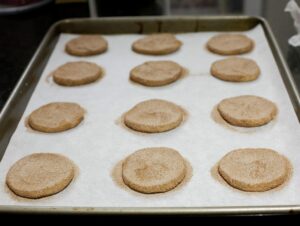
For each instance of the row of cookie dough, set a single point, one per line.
(150, 170)
(157, 44)
(160, 44)
(156, 73)
(152, 73)
(153, 116)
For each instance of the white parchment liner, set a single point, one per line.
(99, 142)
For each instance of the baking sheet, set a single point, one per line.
(99, 143)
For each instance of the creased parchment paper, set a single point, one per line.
(99, 143)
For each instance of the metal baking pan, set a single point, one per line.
(16, 104)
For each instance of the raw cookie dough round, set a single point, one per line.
(254, 169)
(235, 69)
(230, 44)
(153, 170)
(56, 117)
(153, 116)
(157, 44)
(77, 73)
(87, 45)
(39, 175)
(156, 73)
(247, 111)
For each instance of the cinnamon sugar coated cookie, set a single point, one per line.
(230, 44)
(153, 170)
(153, 116)
(86, 45)
(254, 169)
(235, 69)
(56, 117)
(39, 175)
(157, 44)
(77, 73)
(156, 73)
(247, 111)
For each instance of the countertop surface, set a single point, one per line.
(21, 34)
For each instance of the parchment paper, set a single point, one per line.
(99, 143)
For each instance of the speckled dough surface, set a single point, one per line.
(230, 44)
(77, 73)
(153, 116)
(235, 69)
(247, 111)
(254, 169)
(39, 175)
(56, 117)
(157, 44)
(86, 45)
(153, 170)
(156, 73)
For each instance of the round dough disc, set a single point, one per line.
(77, 73)
(156, 73)
(235, 69)
(230, 44)
(87, 45)
(157, 44)
(153, 116)
(254, 169)
(39, 175)
(153, 170)
(247, 111)
(56, 117)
